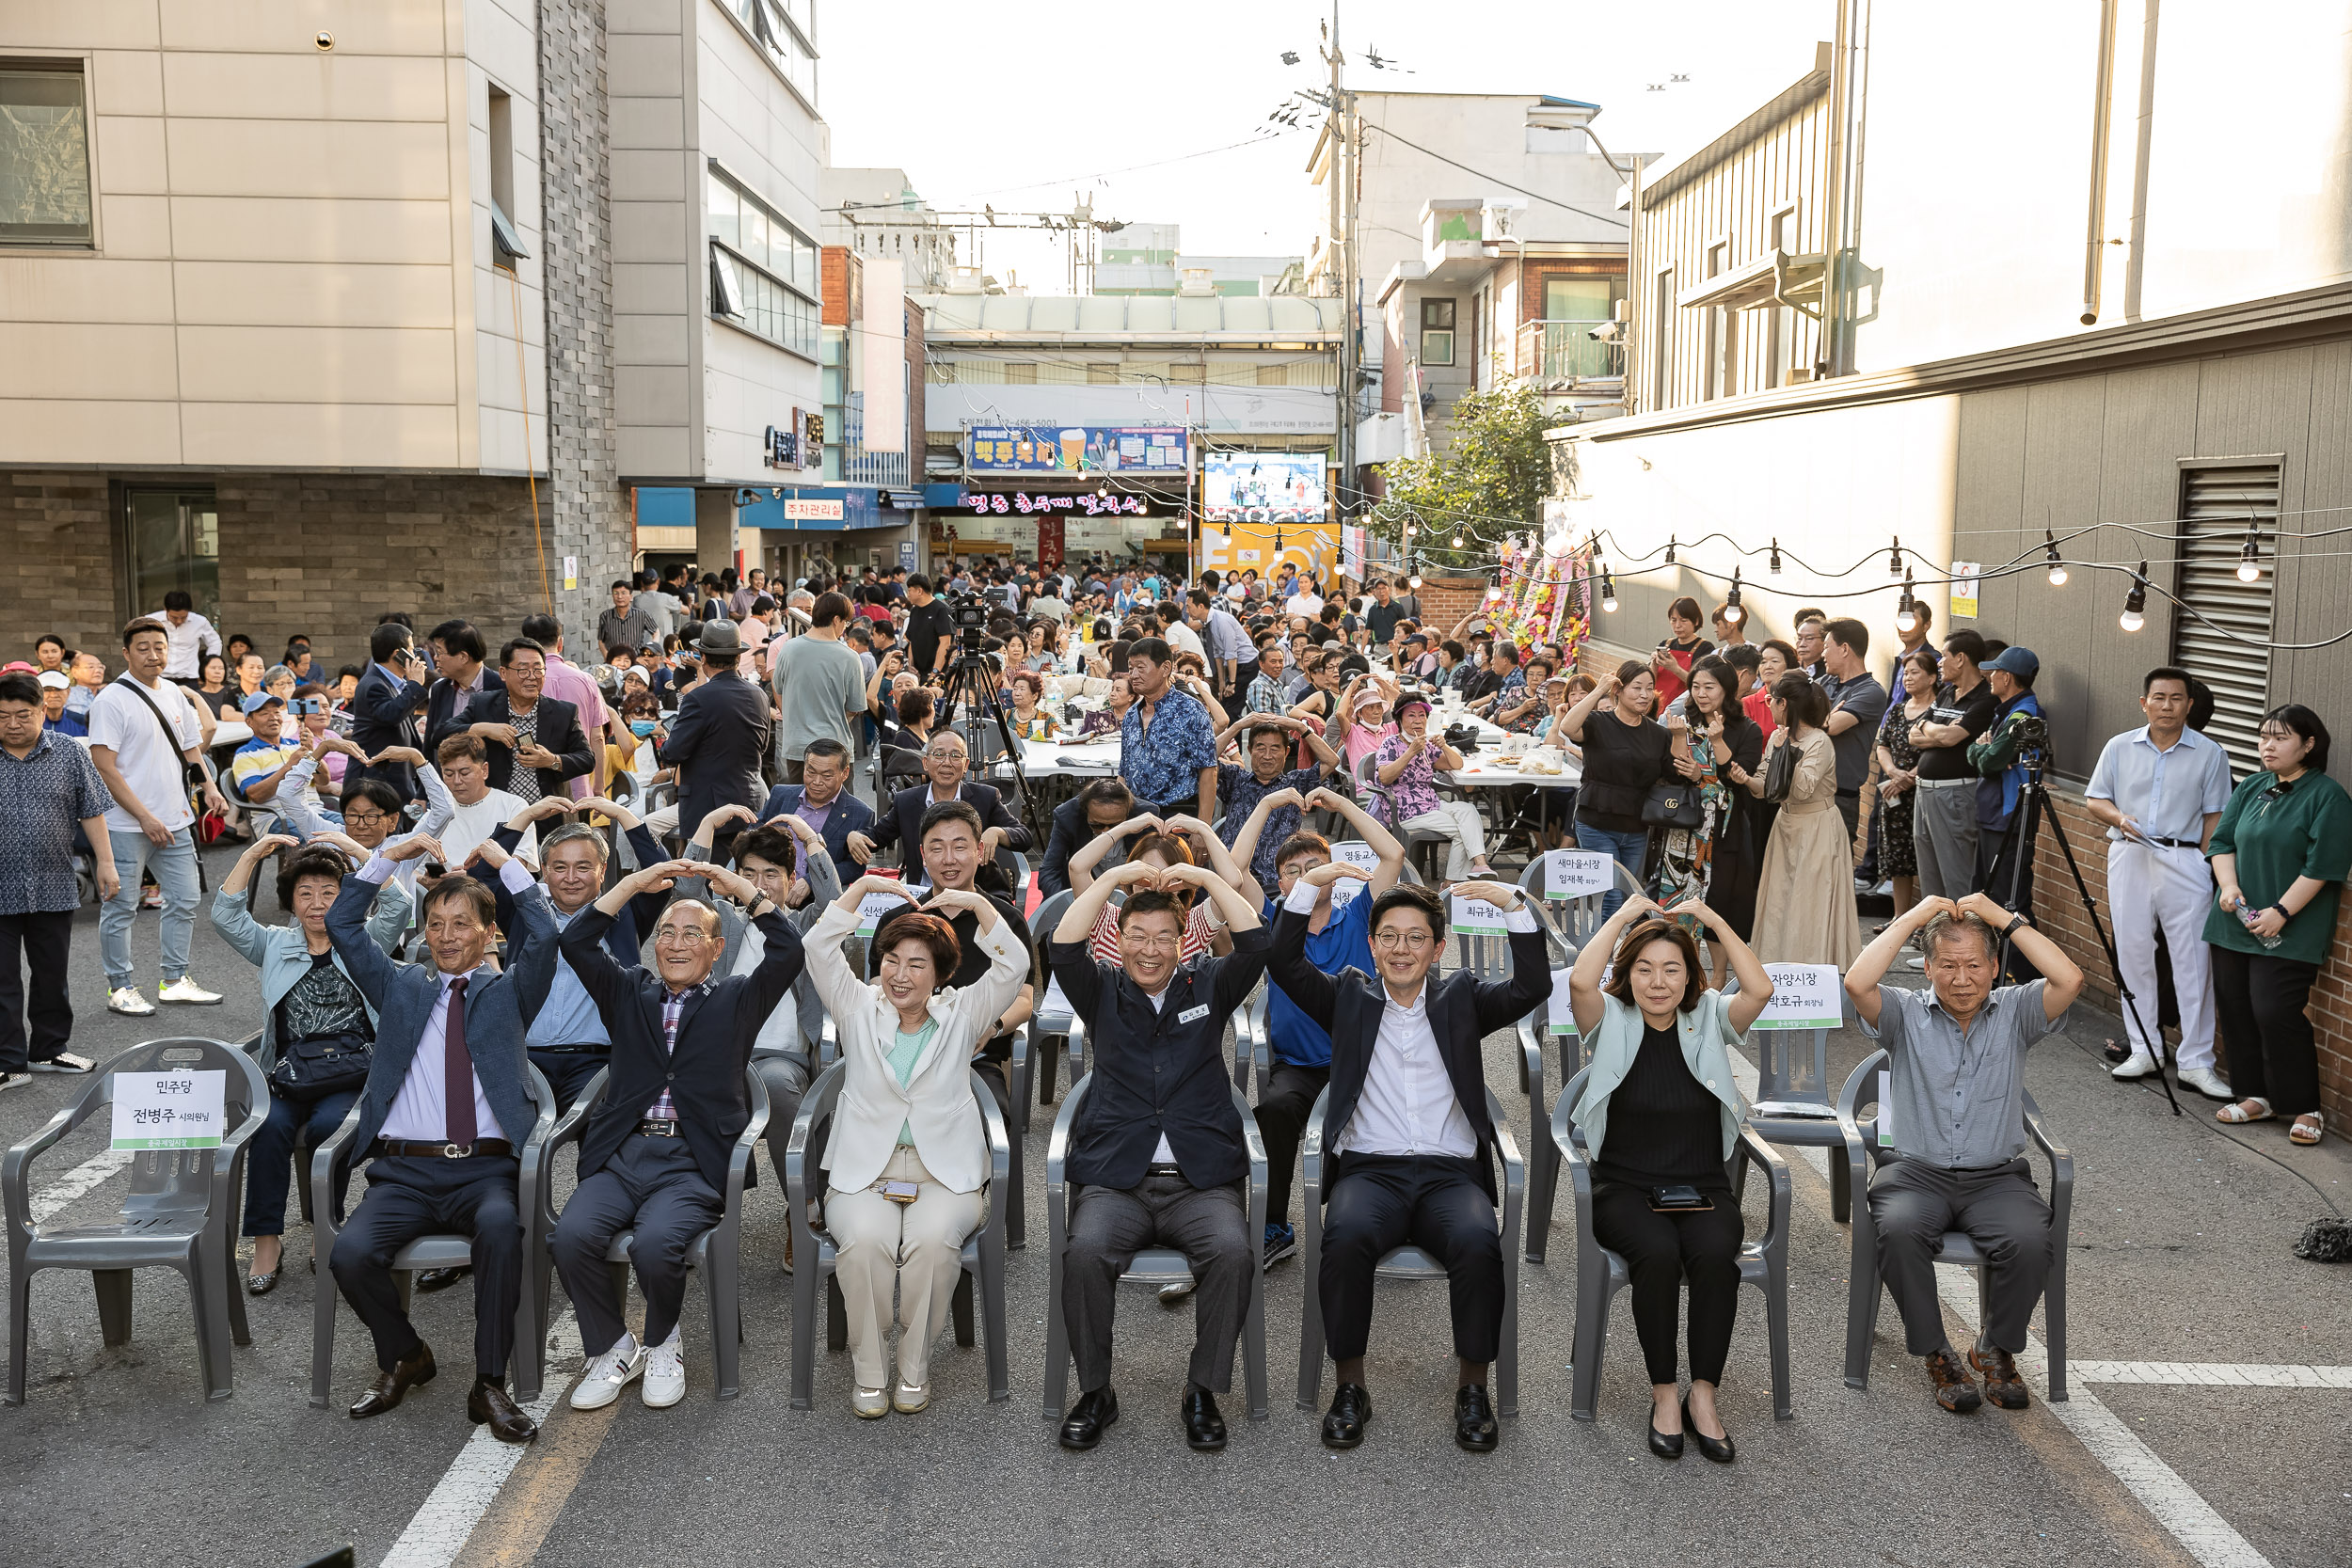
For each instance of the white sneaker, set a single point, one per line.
(610, 1373)
(64, 1061)
(186, 990)
(2205, 1081)
(665, 1373)
(2138, 1064)
(871, 1404)
(127, 1000)
(910, 1397)
(1916, 961)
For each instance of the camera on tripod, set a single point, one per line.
(2031, 732)
(970, 611)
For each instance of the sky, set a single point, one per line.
(1023, 108)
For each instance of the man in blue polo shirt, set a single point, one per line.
(1339, 936)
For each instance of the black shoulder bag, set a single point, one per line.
(309, 1069)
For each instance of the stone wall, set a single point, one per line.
(58, 562)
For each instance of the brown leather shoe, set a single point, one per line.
(2002, 1385)
(1955, 1391)
(390, 1388)
(491, 1404)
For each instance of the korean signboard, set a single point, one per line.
(1076, 449)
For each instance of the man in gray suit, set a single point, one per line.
(445, 1110)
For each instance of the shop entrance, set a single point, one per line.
(171, 539)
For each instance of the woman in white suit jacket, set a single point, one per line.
(907, 1162)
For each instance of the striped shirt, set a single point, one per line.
(673, 1007)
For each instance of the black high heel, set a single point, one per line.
(263, 1284)
(1717, 1448)
(1665, 1445)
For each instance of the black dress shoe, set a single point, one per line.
(1717, 1448)
(491, 1405)
(1204, 1426)
(1474, 1427)
(1665, 1445)
(1083, 1427)
(390, 1388)
(441, 1279)
(1343, 1424)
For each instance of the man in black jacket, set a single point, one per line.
(655, 1156)
(945, 759)
(459, 657)
(1156, 1151)
(384, 709)
(720, 736)
(535, 743)
(1408, 1138)
(1100, 806)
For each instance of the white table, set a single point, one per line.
(1044, 759)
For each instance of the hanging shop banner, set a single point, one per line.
(1264, 486)
(1076, 449)
(1088, 504)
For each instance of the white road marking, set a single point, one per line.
(2211, 1374)
(83, 1178)
(439, 1530)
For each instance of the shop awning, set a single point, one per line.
(1774, 278)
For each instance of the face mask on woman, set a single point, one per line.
(641, 728)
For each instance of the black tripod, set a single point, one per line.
(2018, 840)
(971, 682)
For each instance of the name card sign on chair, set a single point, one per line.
(170, 1110)
(1357, 853)
(1578, 873)
(1476, 917)
(1804, 996)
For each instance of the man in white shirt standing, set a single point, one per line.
(465, 761)
(2160, 790)
(144, 735)
(190, 637)
(1408, 1127)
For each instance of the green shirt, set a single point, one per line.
(905, 1050)
(2306, 832)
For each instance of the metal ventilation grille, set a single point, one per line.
(2215, 505)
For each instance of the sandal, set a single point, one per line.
(2238, 1112)
(2309, 1129)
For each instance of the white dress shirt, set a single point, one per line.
(419, 1111)
(185, 646)
(1407, 1105)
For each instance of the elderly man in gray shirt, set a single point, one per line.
(1955, 1113)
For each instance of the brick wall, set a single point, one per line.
(2058, 911)
(58, 566)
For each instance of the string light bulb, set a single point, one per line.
(1670, 549)
(2249, 563)
(1608, 592)
(1494, 592)
(1773, 565)
(1733, 611)
(1895, 560)
(2058, 567)
(2135, 601)
(1458, 538)
(1413, 582)
(1907, 609)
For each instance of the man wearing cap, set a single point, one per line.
(55, 687)
(720, 736)
(261, 765)
(2011, 674)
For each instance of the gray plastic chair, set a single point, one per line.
(178, 1213)
(1792, 1068)
(1153, 1266)
(1957, 1247)
(718, 1252)
(1544, 1158)
(1407, 1262)
(441, 1250)
(1379, 799)
(1600, 1273)
(1057, 1032)
(1252, 1042)
(983, 1250)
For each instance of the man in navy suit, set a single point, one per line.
(654, 1160)
(459, 657)
(944, 760)
(384, 709)
(443, 1115)
(821, 799)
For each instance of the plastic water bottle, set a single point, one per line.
(2247, 914)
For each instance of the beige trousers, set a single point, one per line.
(916, 1249)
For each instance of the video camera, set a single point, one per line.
(2032, 733)
(970, 610)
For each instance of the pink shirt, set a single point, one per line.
(567, 683)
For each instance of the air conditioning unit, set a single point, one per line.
(1195, 283)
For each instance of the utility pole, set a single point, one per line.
(1342, 130)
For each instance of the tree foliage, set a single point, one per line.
(1490, 480)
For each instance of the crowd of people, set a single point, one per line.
(483, 895)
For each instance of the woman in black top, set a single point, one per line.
(1719, 860)
(1626, 751)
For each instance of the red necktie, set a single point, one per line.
(457, 1067)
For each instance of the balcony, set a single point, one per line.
(1555, 354)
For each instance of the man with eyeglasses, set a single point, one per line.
(1407, 1125)
(945, 759)
(1156, 1154)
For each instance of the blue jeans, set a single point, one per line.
(174, 865)
(1628, 850)
(269, 1157)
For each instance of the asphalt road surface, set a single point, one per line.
(2188, 1440)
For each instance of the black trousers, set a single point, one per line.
(2268, 1036)
(409, 1196)
(652, 1188)
(1383, 1201)
(1283, 1108)
(1663, 1251)
(568, 1073)
(38, 943)
(1108, 1226)
(1914, 1203)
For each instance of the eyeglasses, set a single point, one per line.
(1154, 944)
(1410, 941)
(681, 938)
(363, 819)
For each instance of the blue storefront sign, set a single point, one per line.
(1076, 449)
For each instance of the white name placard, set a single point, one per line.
(170, 1110)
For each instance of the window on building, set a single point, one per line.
(172, 542)
(1780, 328)
(506, 242)
(1437, 332)
(767, 265)
(1662, 359)
(2221, 626)
(45, 157)
(1723, 332)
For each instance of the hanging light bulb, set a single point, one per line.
(1733, 611)
(1773, 565)
(2058, 567)
(1493, 592)
(1907, 609)
(2250, 564)
(1458, 538)
(1670, 549)
(1895, 560)
(1278, 541)
(1608, 592)
(2135, 601)
(1413, 582)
